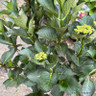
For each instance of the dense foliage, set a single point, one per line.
(48, 64)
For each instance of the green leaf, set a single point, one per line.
(26, 52)
(61, 49)
(21, 21)
(15, 60)
(47, 80)
(91, 37)
(13, 39)
(73, 85)
(2, 11)
(1, 26)
(77, 36)
(86, 20)
(23, 59)
(10, 73)
(75, 94)
(48, 4)
(10, 83)
(68, 5)
(34, 76)
(29, 83)
(5, 42)
(88, 88)
(70, 54)
(39, 93)
(38, 62)
(87, 0)
(91, 0)
(61, 30)
(14, 5)
(74, 59)
(18, 32)
(27, 40)
(77, 47)
(48, 33)
(63, 85)
(56, 91)
(53, 59)
(91, 5)
(92, 53)
(94, 16)
(64, 72)
(40, 47)
(88, 65)
(7, 23)
(14, 73)
(9, 64)
(14, 81)
(29, 67)
(8, 55)
(31, 28)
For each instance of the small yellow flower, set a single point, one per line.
(41, 56)
(94, 23)
(85, 29)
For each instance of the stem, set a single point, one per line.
(61, 16)
(82, 47)
(61, 22)
(92, 72)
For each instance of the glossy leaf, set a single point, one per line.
(63, 85)
(34, 76)
(49, 5)
(47, 80)
(8, 55)
(10, 83)
(5, 42)
(73, 85)
(2, 11)
(88, 88)
(48, 33)
(68, 5)
(86, 20)
(17, 32)
(1, 26)
(31, 26)
(14, 5)
(40, 47)
(56, 91)
(26, 52)
(21, 21)
(64, 72)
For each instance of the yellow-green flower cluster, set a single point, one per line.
(85, 29)
(94, 23)
(41, 56)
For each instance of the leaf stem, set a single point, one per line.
(82, 47)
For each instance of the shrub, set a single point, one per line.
(48, 64)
